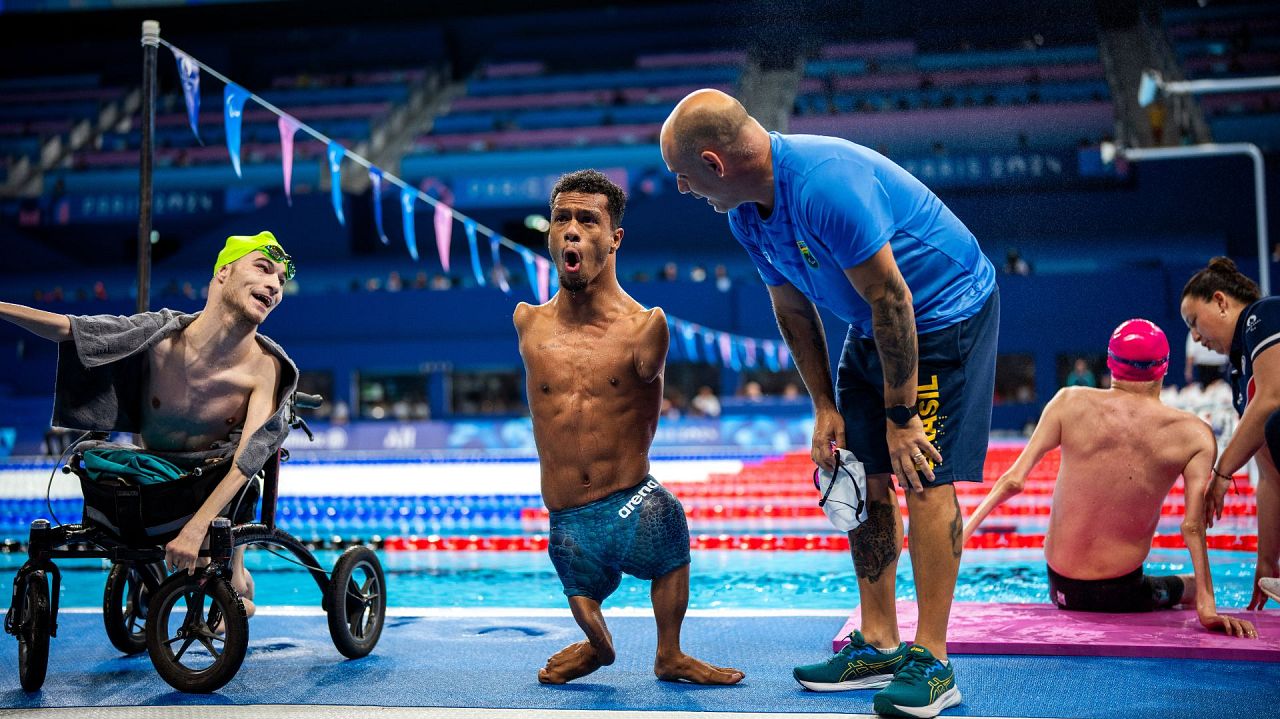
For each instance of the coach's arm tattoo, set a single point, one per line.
(893, 322)
(801, 328)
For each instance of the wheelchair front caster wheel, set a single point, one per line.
(33, 632)
(197, 632)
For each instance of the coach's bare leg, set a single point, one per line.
(936, 542)
(876, 546)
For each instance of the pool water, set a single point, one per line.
(730, 580)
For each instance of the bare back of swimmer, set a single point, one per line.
(1122, 452)
(594, 361)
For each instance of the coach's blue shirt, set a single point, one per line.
(835, 205)
(1257, 329)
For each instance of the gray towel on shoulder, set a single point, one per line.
(102, 371)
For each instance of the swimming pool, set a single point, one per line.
(718, 579)
(739, 510)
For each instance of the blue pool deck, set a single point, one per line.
(485, 661)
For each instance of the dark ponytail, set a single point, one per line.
(1222, 276)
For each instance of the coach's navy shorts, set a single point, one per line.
(957, 378)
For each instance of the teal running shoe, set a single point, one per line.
(923, 687)
(857, 666)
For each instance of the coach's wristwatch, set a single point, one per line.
(901, 414)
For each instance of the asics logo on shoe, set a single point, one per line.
(862, 668)
(938, 685)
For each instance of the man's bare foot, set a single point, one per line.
(576, 660)
(683, 667)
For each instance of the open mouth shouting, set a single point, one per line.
(572, 260)
(263, 299)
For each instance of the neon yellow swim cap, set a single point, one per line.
(240, 245)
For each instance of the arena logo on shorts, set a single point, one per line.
(634, 503)
(928, 402)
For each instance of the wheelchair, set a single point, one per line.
(193, 625)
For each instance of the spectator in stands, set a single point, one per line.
(823, 219)
(706, 403)
(672, 404)
(791, 392)
(341, 414)
(670, 272)
(394, 283)
(100, 291)
(401, 410)
(441, 282)
(1014, 264)
(1100, 530)
(723, 281)
(1080, 375)
(752, 392)
(1227, 313)
(1203, 365)
(698, 274)
(420, 280)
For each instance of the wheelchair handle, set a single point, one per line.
(302, 400)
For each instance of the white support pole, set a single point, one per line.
(1202, 87)
(1138, 154)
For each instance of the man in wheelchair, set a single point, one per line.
(203, 389)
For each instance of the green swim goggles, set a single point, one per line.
(277, 254)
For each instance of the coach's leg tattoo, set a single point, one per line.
(876, 544)
(957, 530)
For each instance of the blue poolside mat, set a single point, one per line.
(492, 663)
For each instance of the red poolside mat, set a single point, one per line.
(979, 628)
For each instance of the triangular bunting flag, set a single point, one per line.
(544, 276)
(189, 74)
(335, 154)
(407, 196)
(444, 232)
(499, 271)
(233, 99)
(531, 270)
(375, 182)
(288, 126)
(469, 226)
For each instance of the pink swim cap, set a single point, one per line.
(1138, 352)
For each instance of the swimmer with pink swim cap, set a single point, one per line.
(1122, 452)
(1138, 352)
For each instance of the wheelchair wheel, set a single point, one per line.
(356, 602)
(183, 623)
(124, 605)
(33, 634)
